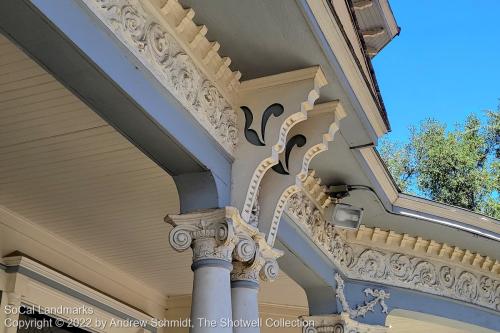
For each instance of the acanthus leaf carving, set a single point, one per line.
(210, 234)
(366, 261)
(159, 51)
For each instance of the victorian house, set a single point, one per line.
(210, 166)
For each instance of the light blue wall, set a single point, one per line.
(420, 302)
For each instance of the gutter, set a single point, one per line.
(390, 202)
(401, 211)
(375, 94)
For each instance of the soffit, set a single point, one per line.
(65, 169)
(271, 37)
(338, 165)
(373, 16)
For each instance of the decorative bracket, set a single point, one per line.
(280, 102)
(319, 130)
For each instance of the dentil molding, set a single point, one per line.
(174, 49)
(386, 257)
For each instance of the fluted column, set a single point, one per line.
(212, 237)
(338, 323)
(245, 280)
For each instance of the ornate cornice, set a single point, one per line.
(390, 240)
(390, 258)
(174, 49)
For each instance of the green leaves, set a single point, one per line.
(459, 167)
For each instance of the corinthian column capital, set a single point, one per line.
(262, 265)
(211, 234)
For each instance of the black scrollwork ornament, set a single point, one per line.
(297, 140)
(251, 135)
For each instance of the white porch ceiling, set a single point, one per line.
(65, 169)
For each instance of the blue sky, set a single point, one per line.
(445, 63)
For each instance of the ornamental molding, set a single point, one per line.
(338, 323)
(174, 49)
(279, 102)
(379, 297)
(386, 257)
(256, 269)
(345, 322)
(211, 234)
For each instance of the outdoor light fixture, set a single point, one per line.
(340, 214)
(345, 216)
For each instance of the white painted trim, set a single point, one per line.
(438, 210)
(338, 46)
(129, 288)
(388, 15)
(314, 72)
(63, 280)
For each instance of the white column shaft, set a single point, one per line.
(14, 302)
(245, 309)
(211, 303)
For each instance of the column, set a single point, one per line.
(211, 236)
(13, 301)
(245, 280)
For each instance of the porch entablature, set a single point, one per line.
(176, 52)
(399, 260)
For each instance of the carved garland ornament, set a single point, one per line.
(344, 322)
(359, 261)
(159, 51)
(379, 297)
(338, 323)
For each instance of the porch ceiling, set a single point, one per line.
(65, 169)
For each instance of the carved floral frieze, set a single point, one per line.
(370, 262)
(159, 51)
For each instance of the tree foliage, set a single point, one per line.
(459, 167)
